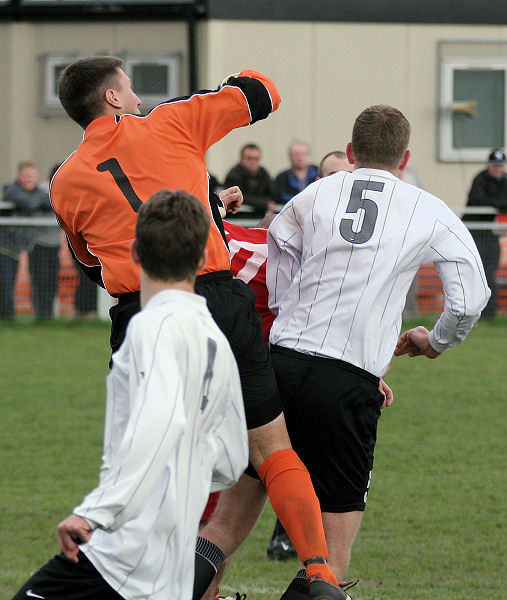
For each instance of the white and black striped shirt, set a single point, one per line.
(175, 428)
(342, 255)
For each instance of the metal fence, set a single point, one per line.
(47, 283)
(72, 295)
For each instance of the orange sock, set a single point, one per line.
(294, 501)
(320, 571)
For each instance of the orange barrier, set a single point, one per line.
(68, 280)
(430, 296)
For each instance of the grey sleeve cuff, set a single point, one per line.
(435, 345)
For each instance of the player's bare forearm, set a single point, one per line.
(415, 342)
(72, 531)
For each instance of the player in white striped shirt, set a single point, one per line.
(175, 428)
(342, 255)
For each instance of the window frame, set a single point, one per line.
(171, 61)
(50, 105)
(449, 64)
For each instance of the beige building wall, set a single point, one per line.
(25, 134)
(326, 73)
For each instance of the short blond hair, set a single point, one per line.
(26, 164)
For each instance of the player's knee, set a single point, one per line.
(267, 439)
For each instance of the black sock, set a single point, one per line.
(278, 528)
(298, 588)
(208, 558)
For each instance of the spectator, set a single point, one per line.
(333, 162)
(489, 190)
(30, 199)
(292, 181)
(253, 180)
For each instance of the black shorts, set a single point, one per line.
(331, 408)
(121, 313)
(62, 579)
(232, 304)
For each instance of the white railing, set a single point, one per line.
(68, 271)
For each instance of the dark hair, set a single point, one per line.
(248, 147)
(82, 86)
(171, 233)
(337, 153)
(380, 137)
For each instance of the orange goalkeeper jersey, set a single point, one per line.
(123, 160)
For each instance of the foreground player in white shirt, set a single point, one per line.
(342, 255)
(175, 429)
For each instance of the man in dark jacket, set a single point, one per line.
(29, 199)
(489, 191)
(253, 180)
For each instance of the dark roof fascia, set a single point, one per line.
(102, 11)
(456, 12)
(430, 12)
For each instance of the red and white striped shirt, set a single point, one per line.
(249, 252)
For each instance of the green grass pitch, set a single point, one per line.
(435, 523)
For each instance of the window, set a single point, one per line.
(51, 67)
(154, 78)
(473, 103)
